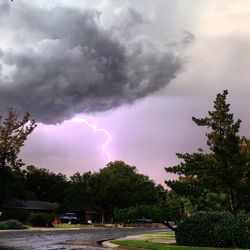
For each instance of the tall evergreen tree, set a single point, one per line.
(224, 142)
(223, 170)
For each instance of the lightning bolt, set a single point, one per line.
(96, 129)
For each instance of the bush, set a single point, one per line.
(233, 232)
(21, 215)
(40, 220)
(214, 229)
(11, 224)
(125, 215)
(3, 226)
(155, 212)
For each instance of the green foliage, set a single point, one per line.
(127, 215)
(119, 185)
(218, 180)
(214, 229)
(44, 185)
(11, 224)
(40, 220)
(234, 231)
(15, 185)
(172, 209)
(3, 226)
(20, 215)
(162, 212)
(13, 134)
(80, 192)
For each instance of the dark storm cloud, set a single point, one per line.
(65, 62)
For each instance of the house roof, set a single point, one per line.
(30, 205)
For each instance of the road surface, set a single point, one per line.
(65, 240)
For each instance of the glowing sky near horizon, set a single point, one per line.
(149, 121)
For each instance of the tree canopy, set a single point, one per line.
(13, 134)
(119, 186)
(218, 179)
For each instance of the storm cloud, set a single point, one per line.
(62, 61)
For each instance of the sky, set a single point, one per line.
(121, 79)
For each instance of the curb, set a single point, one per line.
(109, 244)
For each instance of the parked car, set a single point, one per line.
(142, 220)
(70, 218)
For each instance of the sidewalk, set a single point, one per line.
(109, 244)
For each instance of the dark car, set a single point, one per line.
(142, 220)
(70, 218)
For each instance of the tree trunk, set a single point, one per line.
(167, 224)
(232, 200)
(112, 218)
(2, 181)
(103, 217)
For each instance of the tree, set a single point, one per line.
(80, 193)
(15, 185)
(44, 185)
(13, 134)
(120, 186)
(170, 210)
(220, 175)
(196, 182)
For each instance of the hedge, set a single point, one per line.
(214, 229)
(15, 214)
(40, 220)
(11, 224)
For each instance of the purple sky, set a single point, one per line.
(138, 69)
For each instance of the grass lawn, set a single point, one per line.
(162, 234)
(64, 225)
(161, 246)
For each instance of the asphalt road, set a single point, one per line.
(65, 240)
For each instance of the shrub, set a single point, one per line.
(11, 224)
(21, 215)
(233, 232)
(214, 229)
(125, 215)
(155, 212)
(3, 226)
(40, 220)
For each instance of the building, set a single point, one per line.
(30, 205)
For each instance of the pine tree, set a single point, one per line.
(223, 169)
(224, 142)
